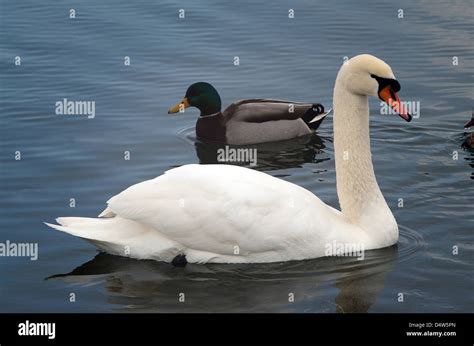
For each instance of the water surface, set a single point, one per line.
(64, 157)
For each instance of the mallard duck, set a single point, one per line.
(249, 121)
(229, 214)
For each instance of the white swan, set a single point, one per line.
(229, 214)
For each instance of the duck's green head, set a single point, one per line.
(201, 95)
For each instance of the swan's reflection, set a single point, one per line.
(275, 155)
(148, 286)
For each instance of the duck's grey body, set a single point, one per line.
(260, 120)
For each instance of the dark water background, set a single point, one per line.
(67, 157)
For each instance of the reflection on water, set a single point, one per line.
(134, 285)
(330, 284)
(291, 153)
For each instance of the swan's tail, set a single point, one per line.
(118, 236)
(107, 234)
(84, 227)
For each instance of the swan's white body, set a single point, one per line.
(229, 214)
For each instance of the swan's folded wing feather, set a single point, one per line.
(215, 208)
(262, 110)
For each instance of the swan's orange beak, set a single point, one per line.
(391, 98)
(179, 107)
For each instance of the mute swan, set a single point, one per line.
(230, 214)
(249, 121)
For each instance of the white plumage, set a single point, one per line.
(210, 213)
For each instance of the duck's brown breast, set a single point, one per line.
(211, 128)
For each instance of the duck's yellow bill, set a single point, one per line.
(179, 107)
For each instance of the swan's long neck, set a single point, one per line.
(360, 198)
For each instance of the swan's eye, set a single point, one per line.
(383, 82)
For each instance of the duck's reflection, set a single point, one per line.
(270, 156)
(148, 286)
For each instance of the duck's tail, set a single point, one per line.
(315, 116)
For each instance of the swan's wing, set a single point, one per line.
(214, 208)
(262, 110)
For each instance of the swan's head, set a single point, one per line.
(201, 95)
(367, 75)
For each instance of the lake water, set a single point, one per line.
(64, 157)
